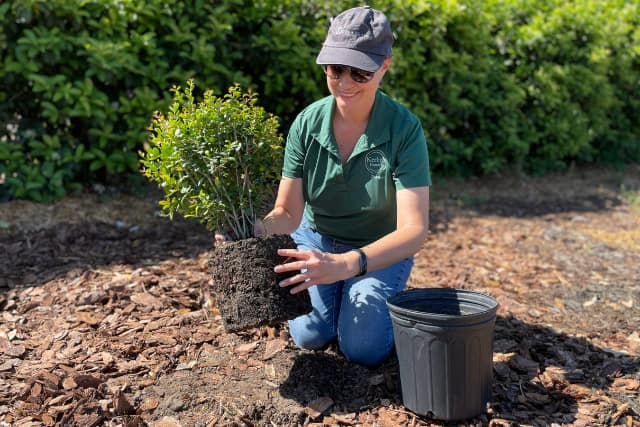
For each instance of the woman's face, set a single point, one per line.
(350, 94)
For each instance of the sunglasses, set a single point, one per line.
(357, 75)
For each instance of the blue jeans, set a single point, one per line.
(354, 310)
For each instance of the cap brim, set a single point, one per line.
(353, 58)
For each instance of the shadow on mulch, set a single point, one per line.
(542, 390)
(522, 208)
(33, 258)
(545, 375)
(442, 211)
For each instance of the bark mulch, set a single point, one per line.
(107, 319)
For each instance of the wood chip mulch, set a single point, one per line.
(106, 316)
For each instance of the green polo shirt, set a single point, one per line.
(355, 203)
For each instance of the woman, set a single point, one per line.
(354, 195)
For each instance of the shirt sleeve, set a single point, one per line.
(294, 151)
(412, 167)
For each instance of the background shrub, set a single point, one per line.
(498, 84)
(82, 79)
(567, 56)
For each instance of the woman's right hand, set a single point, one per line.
(316, 267)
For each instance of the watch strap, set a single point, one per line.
(363, 262)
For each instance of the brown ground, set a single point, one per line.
(107, 319)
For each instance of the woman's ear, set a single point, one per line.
(387, 62)
(384, 67)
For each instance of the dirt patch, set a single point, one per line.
(106, 319)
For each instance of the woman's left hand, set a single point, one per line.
(316, 268)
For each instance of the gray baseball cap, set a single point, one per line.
(360, 37)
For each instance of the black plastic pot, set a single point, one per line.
(444, 342)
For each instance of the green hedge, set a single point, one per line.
(499, 84)
(530, 85)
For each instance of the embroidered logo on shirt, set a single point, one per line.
(375, 162)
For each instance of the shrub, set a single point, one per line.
(565, 55)
(498, 84)
(448, 70)
(217, 160)
(529, 85)
(81, 80)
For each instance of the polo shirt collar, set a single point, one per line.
(376, 133)
(323, 132)
(378, 129)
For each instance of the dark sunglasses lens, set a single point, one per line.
(360, 76)
(336, 70)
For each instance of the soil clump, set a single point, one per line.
(246, 287)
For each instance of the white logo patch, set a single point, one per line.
(375, 162)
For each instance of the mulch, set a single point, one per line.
(107, 316)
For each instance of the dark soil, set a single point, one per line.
(106, 317)
(246, 287)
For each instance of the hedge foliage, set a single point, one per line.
(531, 85)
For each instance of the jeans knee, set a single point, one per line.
(369, 354)
(308, 337)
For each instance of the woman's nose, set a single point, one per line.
(346, 80)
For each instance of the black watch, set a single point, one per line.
(363, 262)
